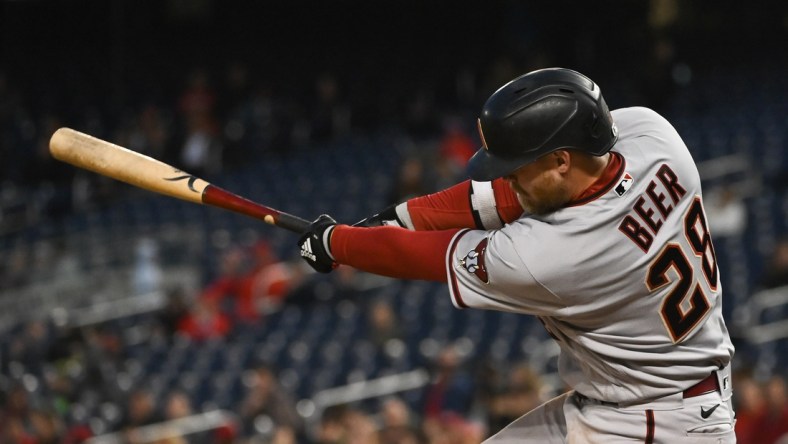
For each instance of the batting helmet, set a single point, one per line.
(538, 113)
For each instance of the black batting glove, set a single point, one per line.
(315, 244)
(386, 217)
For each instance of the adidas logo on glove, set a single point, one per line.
(317, 254)
(306, 250)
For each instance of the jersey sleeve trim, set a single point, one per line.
(454, 287)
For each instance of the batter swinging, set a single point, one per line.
(601, 234)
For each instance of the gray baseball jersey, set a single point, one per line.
(626, 281)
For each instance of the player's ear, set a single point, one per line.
(562, 159)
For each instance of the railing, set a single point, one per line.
(309, 409)
(312, 409)
(176, 428)
(88, 298)
(748, 318)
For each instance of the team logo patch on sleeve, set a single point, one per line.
(624, 185)
(473, 262)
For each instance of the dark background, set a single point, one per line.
(130, 50)
(94, 64)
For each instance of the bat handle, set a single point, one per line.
(292, 223)
(219, 197)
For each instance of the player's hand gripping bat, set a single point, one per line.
(119, 163)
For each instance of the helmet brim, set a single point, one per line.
(484, 166)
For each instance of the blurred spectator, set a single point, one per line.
(454, 150)
(140, 410)
(227, 434)
(77, 434)
(62, 390)
(16, 404)
(175, 309)
(776, 271)
(359, 427)
(656, 82)
(148, 132)
(330, 116)
(224, 289)
(31, 346)
(200, 152)
(268, 283)
(518, 393)
(267, 402)
(204, 321)
(400, 435)
(177, 405)
(65, 264)
(398, 424)
(236, 111)
(750, 405)
(341, 424)
(284, 435)
(104, 345)
(14, 271)
(657, 76)
(14, 431)
(421, 113)
(395, 413)
(46, 169)
(68, 351)
(91, 192)
(773, 424)
(252, 283)
(383, 323)
(501, 70)
(451, 389)
(331, 429)
(451, 428)
(253, 127)
(47, 427)
(410, 182)
(726, 212)
(147, 274)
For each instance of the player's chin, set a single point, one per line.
(523, 203)
(543, 207)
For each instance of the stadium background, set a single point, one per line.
(120, 309)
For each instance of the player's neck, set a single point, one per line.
(586, 170)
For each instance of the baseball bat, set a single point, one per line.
(105, 158)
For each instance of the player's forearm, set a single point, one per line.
(392, 251)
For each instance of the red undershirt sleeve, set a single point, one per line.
(509, 208)
(393, 251)
(449, 208)
(452, 207)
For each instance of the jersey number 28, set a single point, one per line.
(680, 317)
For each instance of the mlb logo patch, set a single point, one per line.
(624, 185)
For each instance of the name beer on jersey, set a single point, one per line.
(649, 212)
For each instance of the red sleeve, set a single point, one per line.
(451, 208)
(218, 290)
(509, 208)
(393, 251)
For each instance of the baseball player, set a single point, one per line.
(592, 221)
